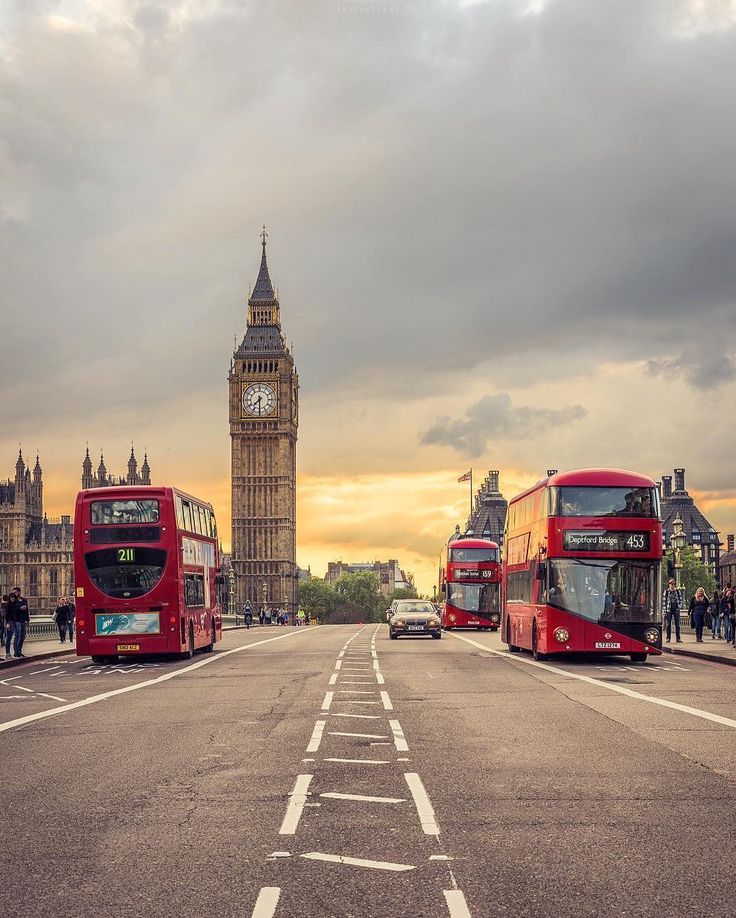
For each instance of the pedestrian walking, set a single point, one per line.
(72, 616)
(671, 607)
(267, 616)
(715, 615)
(247, 615)
(728, 615)
(261, 616)
(18, 608)
(7, 632)
(699, 605)
(61, 617)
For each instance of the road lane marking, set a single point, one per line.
(54, 697)
(333, 679)
(354, 691)
(399, 738)
(376, 665)
(374, 654)
(361, 716)
(48, 670)
(297, 799)
(357, 862)
(319, 729)
(94, 699)
(379, 679)
(427, 818)
(360, 735)
(387, 705)
(338, 665)
(341, 654)
(268, 899)
(456, 904)
(651, 699)
(360, 761)
(356, 682)
(327, 701)
(355, 701)
(364, 797)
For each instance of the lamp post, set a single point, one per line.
(264, 588)
(678, 540)
(231, 598)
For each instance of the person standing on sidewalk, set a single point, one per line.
(20, 620)
(671, 607)
(7, 626)
(72, 616)
(61, 617)
(698, 610)
(715, 615)
(728, 612)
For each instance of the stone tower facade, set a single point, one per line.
(264, 418)
(488, 520)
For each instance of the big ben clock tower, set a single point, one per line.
(264, 389)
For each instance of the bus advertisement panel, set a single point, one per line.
(146, 570)
(582, 565)
(470, 581)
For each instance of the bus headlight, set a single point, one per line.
(494, 618)
(452, 617)
(562, 635)
(651, 636)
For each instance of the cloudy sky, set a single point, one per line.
(503, 234)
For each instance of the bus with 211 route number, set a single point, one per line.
(581, 571)
(470, 581)
(146, 572)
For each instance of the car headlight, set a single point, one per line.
(562, 635)
(398, 621)
(433, 621)
(651, 636)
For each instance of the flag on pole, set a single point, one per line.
(467, 476)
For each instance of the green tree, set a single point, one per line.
(403, 593)
(361, 590)
(317, 598)
(694, 573)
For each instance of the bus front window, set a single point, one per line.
(604, 591)
(480, 599)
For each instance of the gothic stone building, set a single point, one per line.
(488, 519)
(36, 553)
(698, 531)
(263, 395)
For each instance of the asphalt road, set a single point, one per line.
(309, 773)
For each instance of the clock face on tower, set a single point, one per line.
(259, 400)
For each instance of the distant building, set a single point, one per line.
(389, 574)
(36, 553)
(698, 531)
(488, 519)
(727, 563)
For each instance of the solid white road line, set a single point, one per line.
(333, 679)
(319, 729)
(268, 899)
(376, 665)
(399, 738)
(341, 654)
(364, 797)
(357, 862)
(386, 702)
(651, 699)
(456, 904)
(361, 761)
(359, 735)
(328, 701)
(356, 682)
(93, 699)
(374, 654)
(44, 695)
(421, 801)
(297, 799)
(47, 670)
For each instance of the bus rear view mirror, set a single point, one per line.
(541, 571)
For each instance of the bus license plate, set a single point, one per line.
(607, 645)
(415, 627)
(123, 647)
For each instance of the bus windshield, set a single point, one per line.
(473, 555)
(589, 501)
(105, 512)
(605, 591)
(481, 599)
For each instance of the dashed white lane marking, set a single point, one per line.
(338, 665)
(374, 654)
(364, 797)
(426, 814)
(650, 699)
(319, 729)
(358, 862)
(360, 761)
(327, 701)
(359, 735)
(354, 691)
(456, 904)
(341, 654)
(333, 679)
(297, 799)
(379, 679)
(268, 899)
(376, 665)
(37, 671)
(158, 680)
(356, 682)
(362, 716)
(399, 738)
(387, 705)
(355, 701)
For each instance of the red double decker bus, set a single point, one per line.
(470, 581)
(146, 571)
(582, 565)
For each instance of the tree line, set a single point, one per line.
(353, 597)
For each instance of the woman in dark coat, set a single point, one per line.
(61, 617)
(698, 609)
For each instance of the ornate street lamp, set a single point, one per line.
(678, 541)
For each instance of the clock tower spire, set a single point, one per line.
(263, 396)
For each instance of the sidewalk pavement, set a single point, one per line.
(718, 650)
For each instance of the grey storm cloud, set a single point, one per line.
(705, 369)
(494, 415)
(442, 182)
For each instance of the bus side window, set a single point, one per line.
(179, 513)
(211, 518)
(187, 513)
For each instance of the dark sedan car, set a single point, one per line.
(413, 617)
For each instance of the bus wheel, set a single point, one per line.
(103, 659)
(189, 652)
(535, 651)
(638, 657)
(208, 648)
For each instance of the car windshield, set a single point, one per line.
(604, 591)
(411, 608)
(473, 555)
(589, 501)
(481, 599)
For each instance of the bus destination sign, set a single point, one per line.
(466, 574)
(605, 540)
